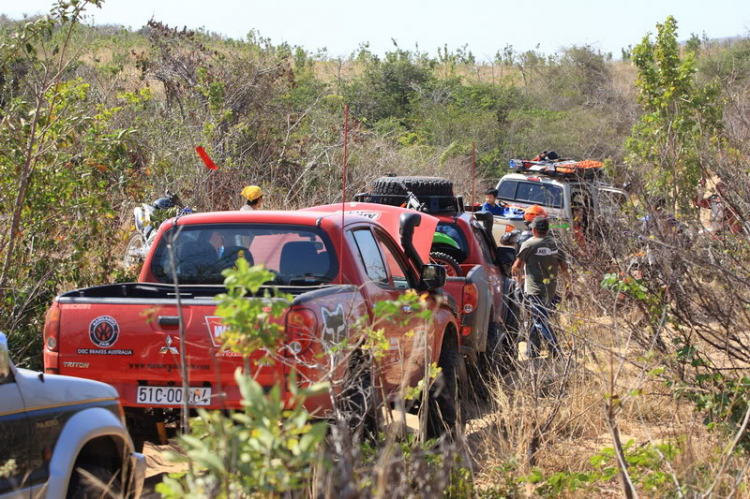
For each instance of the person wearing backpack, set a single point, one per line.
(539, 265)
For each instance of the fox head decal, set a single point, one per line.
(333, 323)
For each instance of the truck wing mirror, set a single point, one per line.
(433, 276)
(4, 358)
(505, 255)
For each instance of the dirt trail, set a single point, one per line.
(158, 465)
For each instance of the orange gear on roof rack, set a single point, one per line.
(558, 167)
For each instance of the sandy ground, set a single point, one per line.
(157, 466)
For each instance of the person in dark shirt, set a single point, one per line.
(490, 203)
(539, 264)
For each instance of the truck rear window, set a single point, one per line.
(531, 192)
(454, 232)
(298, 256)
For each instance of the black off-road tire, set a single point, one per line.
(483, 374)
(419, 186)
(447, 261)
(506, 347)
(82, 487)
(444, 398)
(359, 402)
(142, 428)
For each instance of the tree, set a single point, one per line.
(681, 121)
(64, 165)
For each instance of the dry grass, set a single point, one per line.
(573, 392)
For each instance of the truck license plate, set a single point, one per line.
(172, 395)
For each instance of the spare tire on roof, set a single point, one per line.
(420, 186)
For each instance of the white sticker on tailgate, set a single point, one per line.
(172, 395)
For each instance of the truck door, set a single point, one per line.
(380, 286)
(418, 334)
(15, 439)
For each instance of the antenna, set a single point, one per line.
(343, 190)
(473, 170)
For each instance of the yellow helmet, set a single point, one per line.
(251, 192)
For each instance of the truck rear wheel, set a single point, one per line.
(444, 398)
(506, 348)
(481, 375)
(142, 427)
(359, 401)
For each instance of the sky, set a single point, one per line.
(485, 25)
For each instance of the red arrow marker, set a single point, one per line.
(206, 159)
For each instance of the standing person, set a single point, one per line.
(539, 264)
(723, 217)
(579, 224)
(490, 203)
(254, 196)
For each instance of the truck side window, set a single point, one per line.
(399, 273)
(507, 189)
(370, 255)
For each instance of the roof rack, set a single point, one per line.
(586, 169)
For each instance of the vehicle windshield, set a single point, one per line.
(298, 256)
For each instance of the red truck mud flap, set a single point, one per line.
(479, 318)
(476, 319)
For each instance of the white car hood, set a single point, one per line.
(46, 390)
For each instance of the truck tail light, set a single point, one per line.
(470, 298)
(52, 328)
(301, 329)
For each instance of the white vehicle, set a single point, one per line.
(63, 437)
(559, 194)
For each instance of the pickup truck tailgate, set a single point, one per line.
(131, 344)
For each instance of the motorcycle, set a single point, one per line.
(148, 218)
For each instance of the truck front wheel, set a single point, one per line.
(91, 480)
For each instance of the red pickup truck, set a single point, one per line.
(464, 244)
(335, 266)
